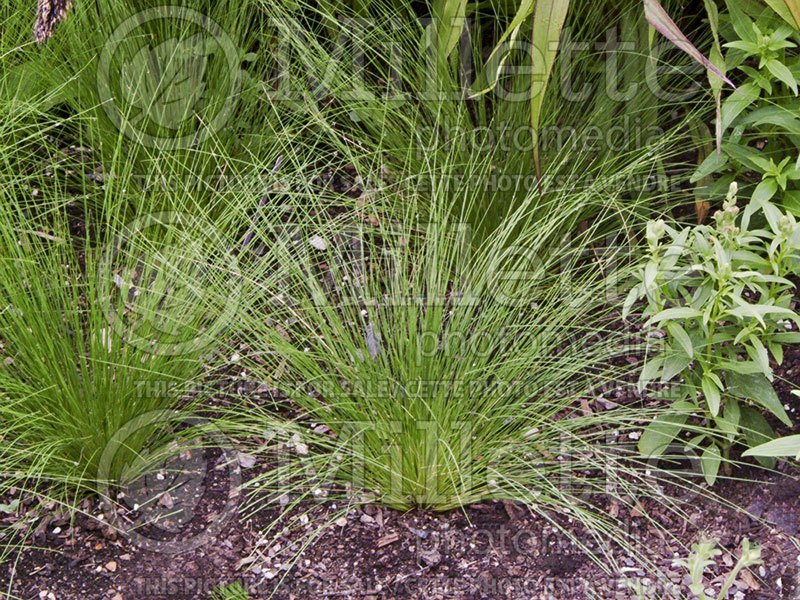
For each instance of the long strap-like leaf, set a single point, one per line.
(789, 10)
(451, 17)
(495, 62)
(794, 8)
(661, 22)
(548, 20)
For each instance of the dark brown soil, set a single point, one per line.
(487, 551)
(490, 550)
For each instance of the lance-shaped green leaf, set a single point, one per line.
(548, 20)
(785, 446)
(789, 10)
(450, 16)
(794, 8)
(663, 23)
(501, 52)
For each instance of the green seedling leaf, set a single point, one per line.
(782, 73)
(674, 363)
(757, 431)
(729, 423)
(741, 24)
(758, 352)
(758, 311)
(650, 370)
(777, 351)
(744, 155)
(791, 202)
(734, 104)
(789, 337)
(702, 555)
(659, 434)
(742, 367)
(713, 163)
(683, 312)
(630, 300)
(679, 335)
(773, 115)
(785, 446)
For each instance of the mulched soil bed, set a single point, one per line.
(490, 550)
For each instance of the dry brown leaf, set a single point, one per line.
(586, 409)
(746, 581)
(389, 538)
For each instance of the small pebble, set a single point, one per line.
(318, 243)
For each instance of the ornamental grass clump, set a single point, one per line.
(425, 371)
(94, 336)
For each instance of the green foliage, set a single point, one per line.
(93, 337)
(759, 119)
(704, 554)
(179, 84)
(233, 591)
(720, 296)
(438, 366)
(785, 446)
(438, 370)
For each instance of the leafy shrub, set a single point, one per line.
(721, 296)
(761, 115)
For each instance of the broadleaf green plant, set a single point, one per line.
(785, 446)
(720, 297)
(761, 116)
